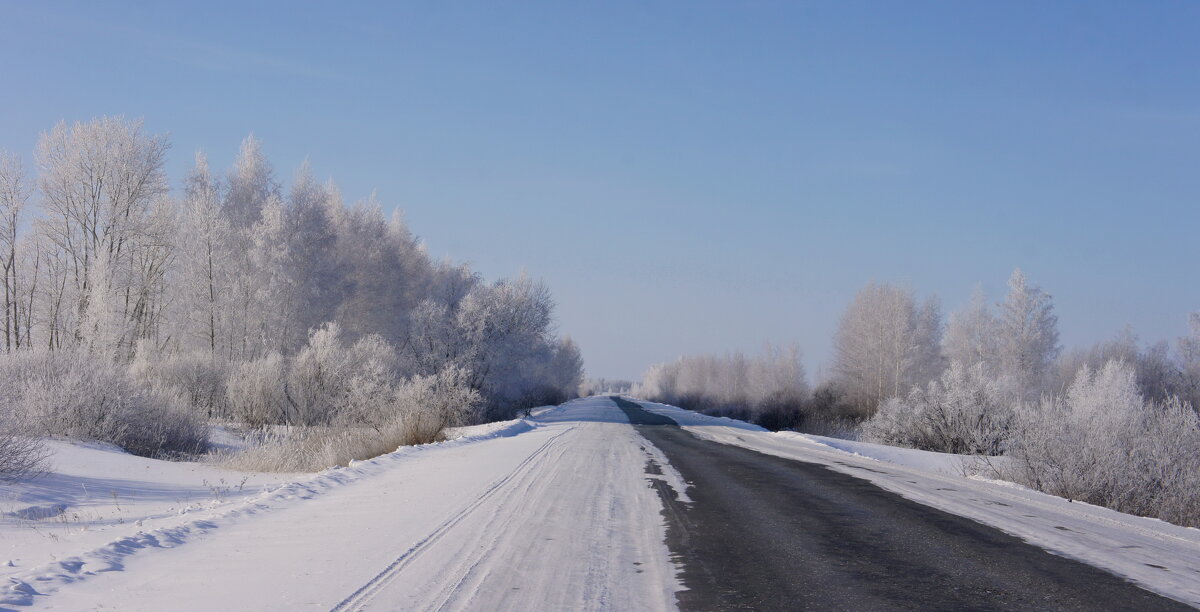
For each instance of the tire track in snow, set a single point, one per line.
(366, 593)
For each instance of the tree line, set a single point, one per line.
(1113, 424)
(217, 296)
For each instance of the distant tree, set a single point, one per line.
(1189, 362)
(885, 345)
(251, 184)
(971, 335)
(566, 368)
(928, 361)
(1027, 337)
(770, 389)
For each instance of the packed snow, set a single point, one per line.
(449, 525)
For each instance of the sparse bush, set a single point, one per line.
(21, 456)
(1104, 444)
(71, 394)
(964, 412)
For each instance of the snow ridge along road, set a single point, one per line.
(362, 597)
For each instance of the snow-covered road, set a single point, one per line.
(550, 519)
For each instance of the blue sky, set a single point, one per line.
(692, 177)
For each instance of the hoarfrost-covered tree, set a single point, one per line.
(99, 183)
(971, 335)
(1189, 362)
(234, 301)
(205, 242)
(507, 328)
(928, 360)
(885, 345)
(1158, 374)
(251, 184)
(312, 266)
(14, 196)
(1027, 337)
(385, 273)
(565, 370)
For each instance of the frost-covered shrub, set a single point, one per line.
(963, 412)
(21, 455)
(329, 382)
(317, 377)
(417, 411)
(195, 379)
(369, 385)
(1104, 444)
(73, 395)
(427, 405)
(254, 391)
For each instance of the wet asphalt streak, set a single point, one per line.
(767, 533)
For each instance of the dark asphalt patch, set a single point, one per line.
(767, 533)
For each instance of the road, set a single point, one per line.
(767, 533)
(575, 509)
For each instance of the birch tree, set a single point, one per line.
(1027, 337)
(885, 345)
(99, 183)
(971, 335)
(251, 184)
(14, 196)
(205, 242)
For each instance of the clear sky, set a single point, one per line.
(692, 176)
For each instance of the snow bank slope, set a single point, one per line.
(96, 492)
(1157, 556)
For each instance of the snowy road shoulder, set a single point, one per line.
(1158, 556)
(100, 505)
(550, 512)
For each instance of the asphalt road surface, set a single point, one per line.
(767, 533)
